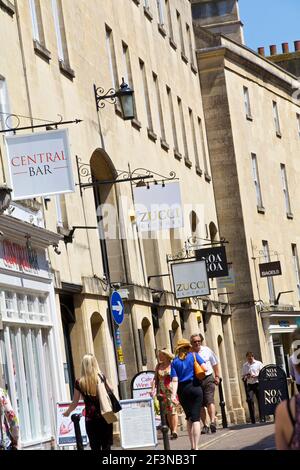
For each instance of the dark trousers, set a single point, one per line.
(251, 390)
(100, 434)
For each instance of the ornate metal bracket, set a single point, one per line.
(47, 124)
(190, 246)
(136, 177)
(101, 96)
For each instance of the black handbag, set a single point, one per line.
(116, 407)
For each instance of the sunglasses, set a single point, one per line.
(195, 342)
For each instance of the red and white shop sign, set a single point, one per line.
(40, 164)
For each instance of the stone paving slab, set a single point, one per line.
(248, 437)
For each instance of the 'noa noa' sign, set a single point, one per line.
(216, 261)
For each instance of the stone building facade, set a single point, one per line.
(251, 108)
(57, 61)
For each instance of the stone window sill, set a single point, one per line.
(249, 117)
(152, 136)
(207, 177)
(66, 70)
(173, 43)
(177, 154)
(199, 171)
(194, 69)
(261, 209)
(41, 51)
(188, 162)
(136, 124)
(7, 6)
(162, 30)
(148, 13)
(290, 215)
(164, 145)
(184, 58)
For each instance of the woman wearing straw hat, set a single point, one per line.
(162, 386)
(189, 391)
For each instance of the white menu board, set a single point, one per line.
(137, 424)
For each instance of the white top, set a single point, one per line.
(209, 357)
(252, 369)
(293, 372)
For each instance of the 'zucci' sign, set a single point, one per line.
(39, 164)
(216, 261)
(190, 279)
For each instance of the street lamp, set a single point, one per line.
(124, 94)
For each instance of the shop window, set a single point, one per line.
(24, 376)
(24, 307)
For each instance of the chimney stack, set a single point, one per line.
(261, 51)
(297, 46)
(273, 49)
(285, 47)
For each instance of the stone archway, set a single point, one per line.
(106, 201)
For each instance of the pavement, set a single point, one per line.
(259, 436)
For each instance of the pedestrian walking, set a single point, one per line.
(161, 387)
(250, 373)
(287, 416)
(99, 432)
(189, 389)
(9, 425)
(212, 378)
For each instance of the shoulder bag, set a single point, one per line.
(116, 407)
(199, 372)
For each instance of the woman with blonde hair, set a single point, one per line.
(189, 389)
(99, 432)
(162, 387)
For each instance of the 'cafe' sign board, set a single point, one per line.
(39, 164)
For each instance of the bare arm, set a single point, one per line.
(74, 403)
(174, 388)
(217, 373)
(280, 419)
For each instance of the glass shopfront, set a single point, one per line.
(27, 362)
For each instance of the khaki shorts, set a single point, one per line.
(208, 387)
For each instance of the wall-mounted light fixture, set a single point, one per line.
(124, 94)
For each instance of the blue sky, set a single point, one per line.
(269, 22)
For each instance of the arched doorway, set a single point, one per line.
(106, 201)
(98, 342)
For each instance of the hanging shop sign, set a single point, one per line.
(158, 207)
(227, 282)
(216, 261)
(40, 164)
(270, 269)
(190, 279)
